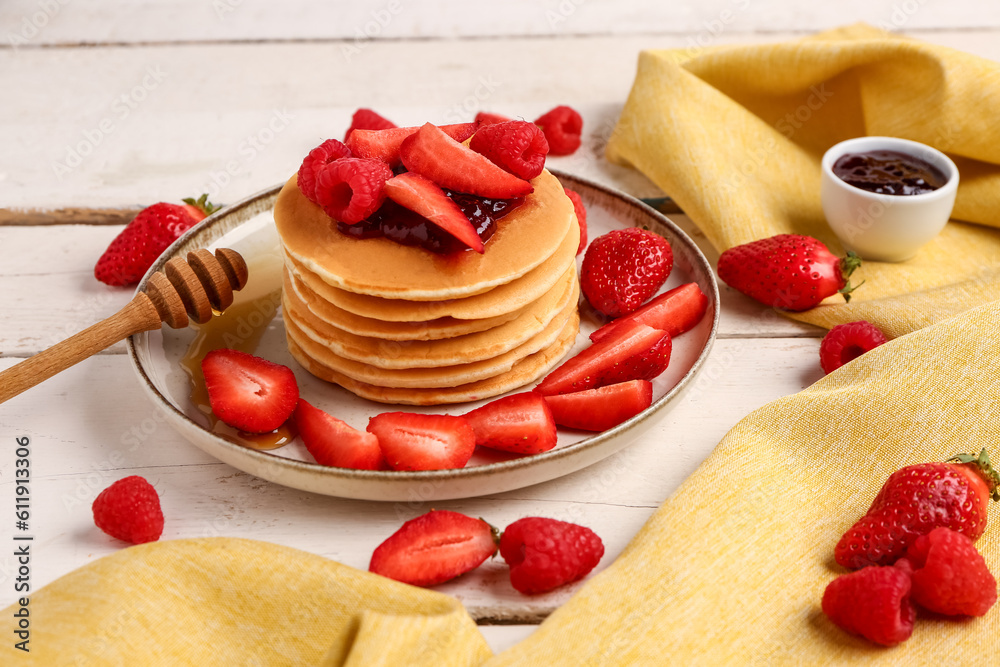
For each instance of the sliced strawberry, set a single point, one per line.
(384, 144)
(615, 359)
(581, 217)
(432, 153)
(421, 195)
(434, 548)
(412, 441)
(521, 423)
(487, 118)
(600, 409)
(675, 312)
(334, 443)
(366, 119)
(249, 393)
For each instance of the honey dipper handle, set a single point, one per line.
(138, 315)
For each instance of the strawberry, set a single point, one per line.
(366, 119)
(949, 575)
(874, 603)
(544, 554)
(915, 500)
(434, 548)
(615, 359)
(129, 510)
(412, 441)
(421, 195)
(623, 268)
(846, 342)
(562, 127)
(787, 271)
(516, 146)
(581, 217)
(249, 393)
(153, 229)
(520, 423)
(384, 144)
(319, 157)
(487, 118)
(351, 189)
(602, 408)
(432, 153)
(334, 443)
(675, 312)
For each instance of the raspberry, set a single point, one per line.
(562, 127)
(873, 602)
(350, 189)
(949, 575)
(581, 217)
(624, 268)
(847, 342)
(545, 553)
(129, 510)
(366, 119)
(319, 157)
(517, 146)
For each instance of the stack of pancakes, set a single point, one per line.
(400, 324)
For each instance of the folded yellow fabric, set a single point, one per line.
(735, 136)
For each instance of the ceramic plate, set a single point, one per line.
(248, 227)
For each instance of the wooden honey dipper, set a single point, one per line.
(184, 291)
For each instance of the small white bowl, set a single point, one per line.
(887, 228)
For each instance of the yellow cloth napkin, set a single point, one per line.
(735, 136)
(730, 570)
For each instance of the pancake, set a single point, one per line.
(523, 372)
(523, 240)
(442, 327)
(441, 376)
(496, 302)
(465, 349)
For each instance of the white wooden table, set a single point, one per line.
(114, 105)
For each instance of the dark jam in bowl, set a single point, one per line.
(403, 226)
(888, 173)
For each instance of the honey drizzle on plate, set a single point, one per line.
(240, 327)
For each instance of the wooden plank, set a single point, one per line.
(30, 22)
(90, 425)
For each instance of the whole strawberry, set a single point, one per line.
(788, 271)
(155, 227)
(129, 510)
(624, 268)
(544, 554)
(914, 501)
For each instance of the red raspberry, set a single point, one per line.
(351, 189)
(129, 510)
(623, 268)
(366, 119)
(516, 146)
(847, 342)
(562, 127)
(949, 576)
(873, 602)
(545, 553)
(319, 157)
(581, 217)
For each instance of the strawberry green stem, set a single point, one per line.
(982, 465)
(202, 204)
(847, 266)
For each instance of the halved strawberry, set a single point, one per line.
(412, 441)
(334, 443)
(600, 409)
(384, 144)
(521, 423)
(247, 392)
(615, 359)
(434, 548)
(449, 163)
(488, 118)
(421, 195)
(675, 312)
